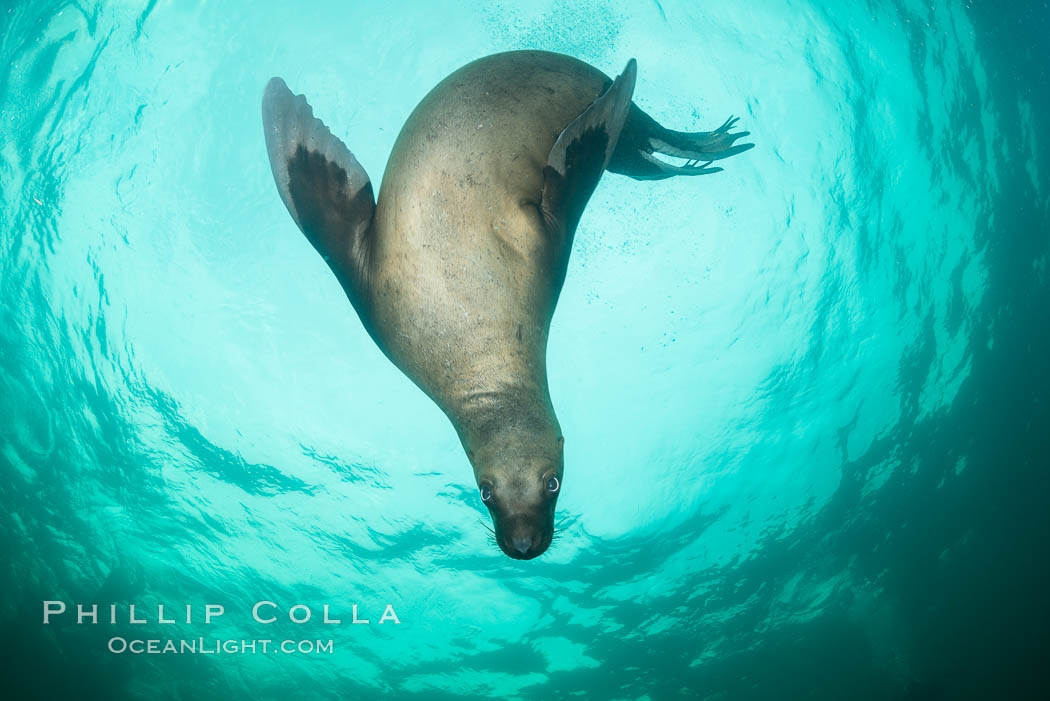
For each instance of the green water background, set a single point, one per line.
(804, 400)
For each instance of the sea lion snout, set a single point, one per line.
(525, 538)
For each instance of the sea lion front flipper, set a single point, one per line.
(325, 189)
(582, 152)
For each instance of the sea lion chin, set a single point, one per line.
(456, 270)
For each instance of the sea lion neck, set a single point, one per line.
(513, 420)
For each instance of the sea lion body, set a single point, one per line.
(466, 276)
(457, 269)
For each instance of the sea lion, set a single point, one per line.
(456, 271)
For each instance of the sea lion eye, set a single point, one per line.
(553, 484)
(486, 493)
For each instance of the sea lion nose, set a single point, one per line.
(522, 544)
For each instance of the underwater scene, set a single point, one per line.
(804, 400)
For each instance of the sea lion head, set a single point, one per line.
(520, 492)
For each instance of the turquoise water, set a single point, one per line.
(804, 400)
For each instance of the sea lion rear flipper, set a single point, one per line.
(582, 152)
(325, 189)
(643, 137)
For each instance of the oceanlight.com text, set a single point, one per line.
(216, 646)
